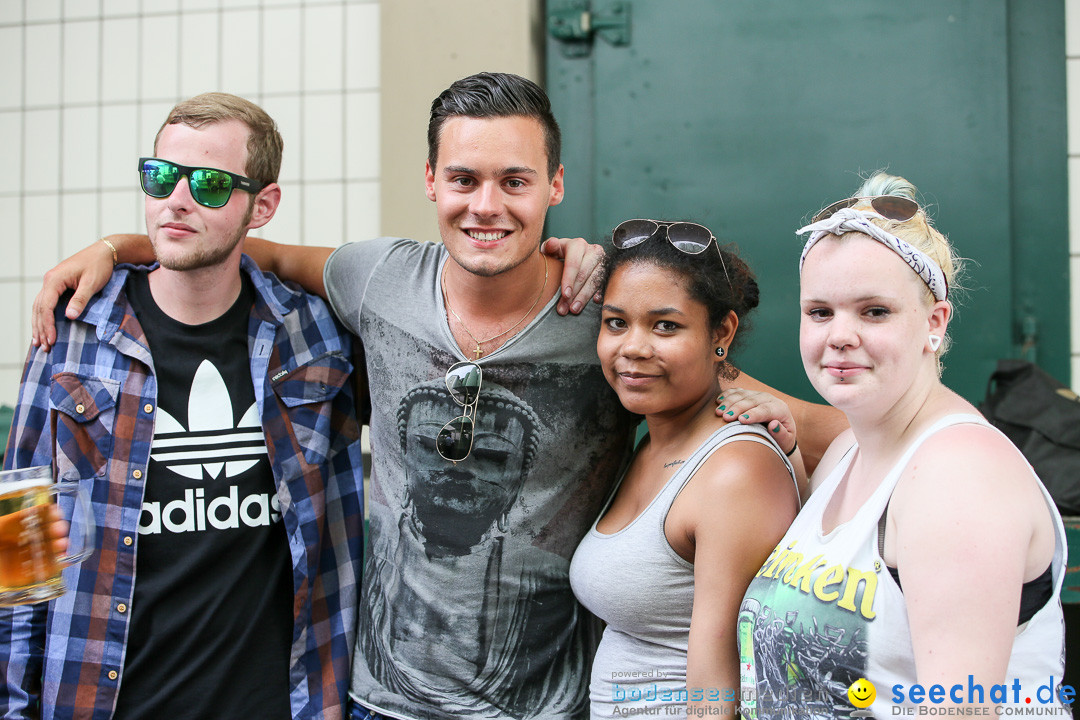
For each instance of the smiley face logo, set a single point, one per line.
(862, 693)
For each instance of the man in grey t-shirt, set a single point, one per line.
(466, 607)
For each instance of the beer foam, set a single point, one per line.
(16, 486)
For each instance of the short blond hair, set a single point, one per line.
(264, 145)
(918, 231)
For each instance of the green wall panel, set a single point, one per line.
(749, 116)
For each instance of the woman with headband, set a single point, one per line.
(702, 502)
(925, 568)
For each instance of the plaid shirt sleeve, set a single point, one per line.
(22, 629)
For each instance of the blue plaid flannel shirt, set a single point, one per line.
(96, 391)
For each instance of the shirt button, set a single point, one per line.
(148, 408)
(137, 474)
(128, 540)
(80, 408)
(113, 675)
(121, 608)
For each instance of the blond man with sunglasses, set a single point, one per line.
(205, 408)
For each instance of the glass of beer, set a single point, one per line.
(29, 567)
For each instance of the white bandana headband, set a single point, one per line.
(850, 220)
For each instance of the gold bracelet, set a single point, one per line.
(111, 247)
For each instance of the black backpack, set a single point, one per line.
(1042, 418)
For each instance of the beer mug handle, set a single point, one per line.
(82, 515)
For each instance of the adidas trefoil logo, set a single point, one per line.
(211, 435)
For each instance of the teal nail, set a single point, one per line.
(723, 407)
(731, 412)
(746, 417)
(776, 429)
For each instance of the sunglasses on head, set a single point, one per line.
(688, 237)
(892, 207)
(455, 440)
(209, 187)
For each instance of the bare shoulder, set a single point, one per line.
(967, 484)
(743, 477)
(969, 458)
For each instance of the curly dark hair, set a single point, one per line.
(717, 278)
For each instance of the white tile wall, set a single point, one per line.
(201, 53)
(119, 59)
(11, 53)
(159, 57)
(87, 83)
(78, 215)
(11, 12)
(81, 53)
(111, 8)
(79, 147)
(41, 145)
(281, 50)
(240, 38)
(11, 124)
(323, 53)
(322, 137)
(361, 56)
(12, 353)
(11, 212)
(45, 9)
(41, 64)
(41, 226)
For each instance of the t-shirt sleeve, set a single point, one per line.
(346, 276)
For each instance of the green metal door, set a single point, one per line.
(749, 115)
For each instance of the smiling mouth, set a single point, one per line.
(488, 236)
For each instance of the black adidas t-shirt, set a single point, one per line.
(211, 618)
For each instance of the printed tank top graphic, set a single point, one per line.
(802, 631)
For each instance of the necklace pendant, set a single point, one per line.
(478, 352)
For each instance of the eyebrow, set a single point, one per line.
(864, 299)
(657, 311)
(502, 172)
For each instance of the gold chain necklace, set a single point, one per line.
(478, 352)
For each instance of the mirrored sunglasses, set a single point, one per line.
(455, 439)
(209, 187)
(892, 207)
(688, 237)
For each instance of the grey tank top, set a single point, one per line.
(644, 591)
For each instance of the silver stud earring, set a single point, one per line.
(935, 342)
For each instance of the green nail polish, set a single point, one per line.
(747, 417)
(776, 429)
(730, 412)
(723, 407)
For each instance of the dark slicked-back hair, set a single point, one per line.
(492, 95)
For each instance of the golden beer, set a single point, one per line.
(29, 568)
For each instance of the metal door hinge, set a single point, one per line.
(575, 24)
